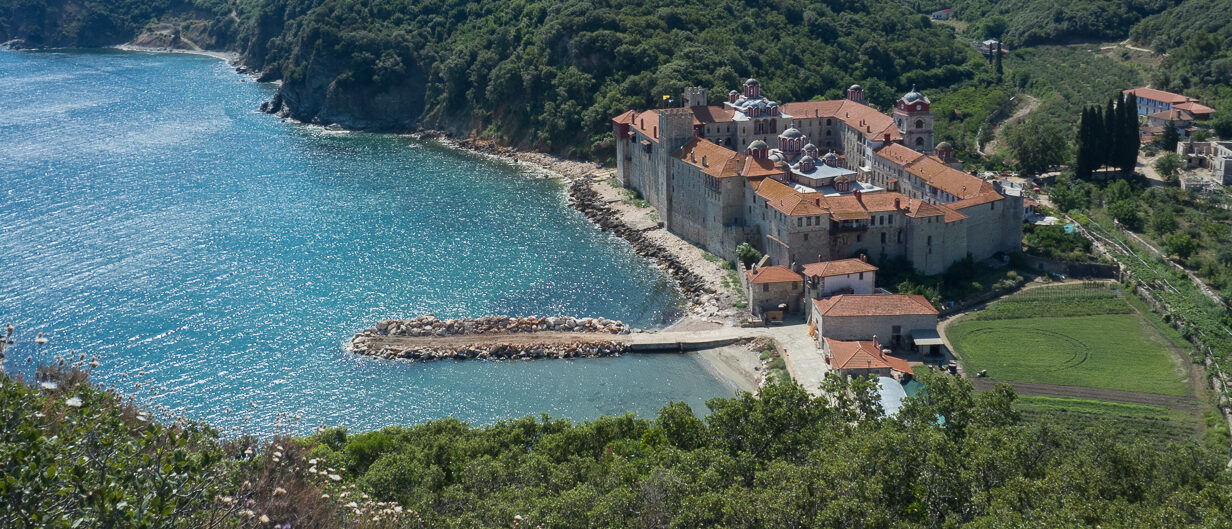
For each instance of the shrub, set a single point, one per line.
(747, 254)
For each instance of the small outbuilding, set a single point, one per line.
(770, 287)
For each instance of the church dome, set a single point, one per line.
(913, 96)
(809, 147)
(806, 160)
(792, 133)
(830, 157)
(855, 88)
(751, 82)
(733, 92)
(758, 144)
(840, 178)
(944, 145)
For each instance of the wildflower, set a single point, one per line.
(264, 519)
(93, 363)
(74, 402)
(279, 490)
(398, 509)
(247, 451)
(312, 461)
(49, 386)
(335, 477)
(352, 505)
(325, 496)
(246, 513)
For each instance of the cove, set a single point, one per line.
(150, 216)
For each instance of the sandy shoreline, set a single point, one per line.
(229, 57)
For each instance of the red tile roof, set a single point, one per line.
(713, 159)
(1156, 95)
(1194, 108)
(863, 355)
(898, 153)
(1176, 114)
(874, 305)
(647, 123)
(791, 202)
(704, 115)
(868, 120)
(840, 267)
(773, 274)
(948, 179)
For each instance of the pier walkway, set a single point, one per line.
(804, 361)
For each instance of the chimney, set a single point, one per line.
(656, 131)
(898, 204)
(858, 198)
(887, 138)
(863, 258)
(818, 200)
(819, 258)
(692, 156)
(704, 164)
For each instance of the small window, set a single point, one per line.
(765, 287)
(883, 237)
(859, 237)
(930, 240)
(862, 273)
(919, 123)
(806, 236)
(992, 205)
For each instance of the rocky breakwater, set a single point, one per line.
(492, 337)
(589, 202)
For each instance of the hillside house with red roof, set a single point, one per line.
(863, 358)
(773, 288)
(1152, 101)
(812, 180)
(893, 319)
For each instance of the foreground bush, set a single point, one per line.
(952, 458)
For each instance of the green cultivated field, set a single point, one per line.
(1152, 423)
(1084, 335)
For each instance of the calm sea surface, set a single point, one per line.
(149, 216)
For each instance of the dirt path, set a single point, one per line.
(1031, 104)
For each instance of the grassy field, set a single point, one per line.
(1071, 336)
(1159, 425)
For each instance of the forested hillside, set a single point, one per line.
(75, 456)
(1197, 38)
(543, 74)
(1031, 22)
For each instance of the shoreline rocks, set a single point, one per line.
(373, 342)
(590, 204)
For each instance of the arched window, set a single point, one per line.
(919, 123)
(827, 133)
(919, 142)
(930, 239)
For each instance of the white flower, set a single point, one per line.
(352, 505)
(335, 477)
(264, 519)
(74, 402)
(398, 508)
(312, 462)
(49, 386)
(279, 490)
(326, 496)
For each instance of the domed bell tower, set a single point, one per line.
(914, 117)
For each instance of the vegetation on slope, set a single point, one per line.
(784, 460)
(1032, 22)
(542, 74)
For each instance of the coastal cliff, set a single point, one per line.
(528, 75)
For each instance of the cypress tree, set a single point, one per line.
(1111, 136)
(998, 61)
(1084, 161)
(1129, 131)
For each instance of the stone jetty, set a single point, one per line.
(587, 201)
(507, 338)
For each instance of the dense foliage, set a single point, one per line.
(783, 460)
(545, 74)
(1031, 22)
(1109, 137)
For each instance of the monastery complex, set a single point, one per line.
(813, 181)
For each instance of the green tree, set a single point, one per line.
(1181, 244)
(1126, 212)
(747, 254)
(1037, 146)
(1168, 164)
(1169, 138)
(1162, 222)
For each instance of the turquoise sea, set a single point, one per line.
(150, 216)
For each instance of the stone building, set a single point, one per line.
(770, 287)
(888, 318)
(845, 276)
(812, 180)
(1211, 157)
(863, 358)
